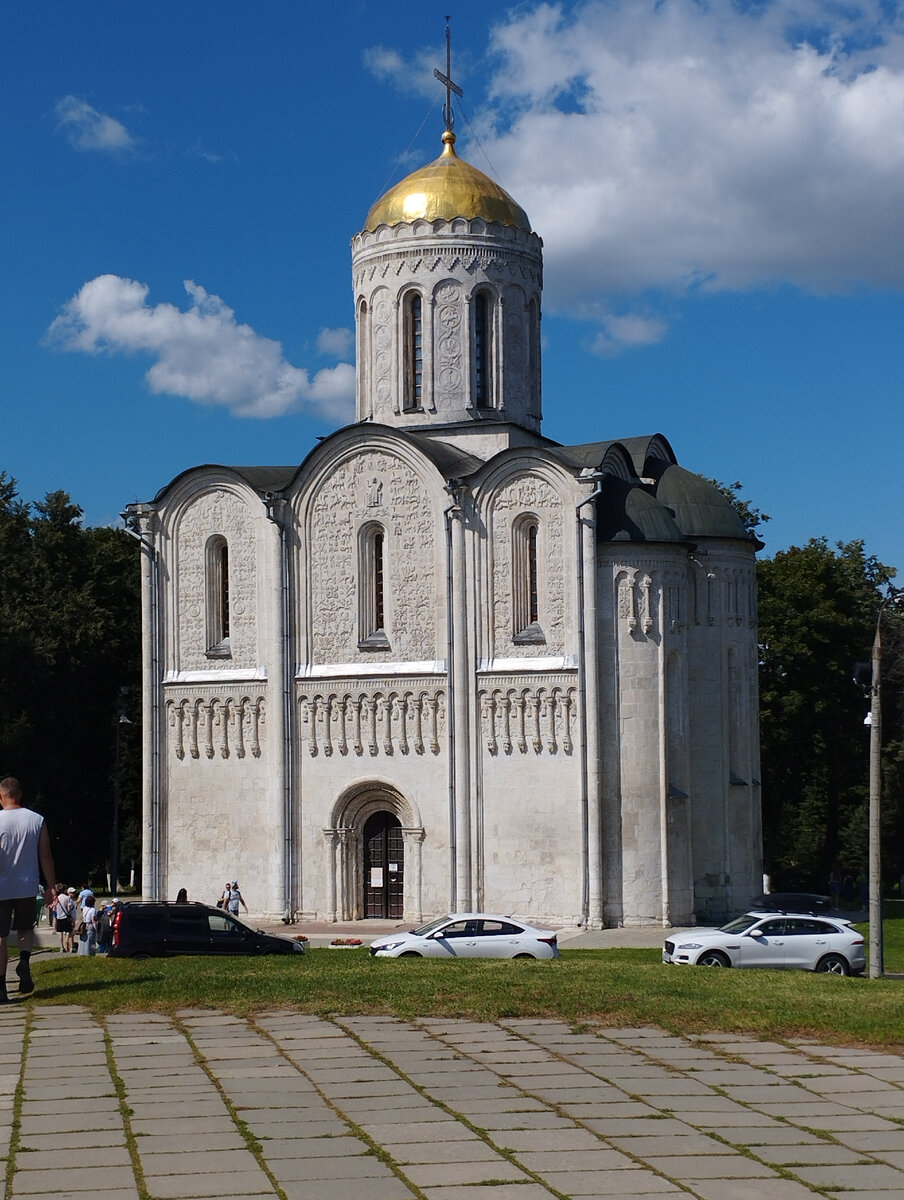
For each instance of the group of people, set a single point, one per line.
(84, 926)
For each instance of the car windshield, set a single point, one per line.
(429, 928)
(739, 924)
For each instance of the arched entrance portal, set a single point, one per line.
(373, 868)
(384, 867)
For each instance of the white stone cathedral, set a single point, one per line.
(446, 663)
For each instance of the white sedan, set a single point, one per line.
(469, 935)
(778, 940)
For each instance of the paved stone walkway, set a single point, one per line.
(370, 1108)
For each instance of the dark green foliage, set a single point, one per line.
(818, 607)
(69, 640)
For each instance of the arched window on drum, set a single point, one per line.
(413, 352)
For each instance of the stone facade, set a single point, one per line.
(446, 663)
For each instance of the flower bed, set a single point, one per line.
(345, 944)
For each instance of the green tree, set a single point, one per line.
(69, 640)
(817, 610)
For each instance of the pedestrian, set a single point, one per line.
(25, 856)
(182, 896)
(224, 896)
(63, 910)
(104, 924)
(87, 927)
(234, 898)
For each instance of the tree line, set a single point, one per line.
(70, 640)
(70, 666)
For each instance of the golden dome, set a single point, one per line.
(446, 188)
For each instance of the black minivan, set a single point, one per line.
(145, 929)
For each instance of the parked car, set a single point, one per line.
(792, 902)
(780, 940)
(469, 935)
(152, 929)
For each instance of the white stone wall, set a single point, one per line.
(373, 486)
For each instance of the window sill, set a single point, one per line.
(531, 635)
(220, 650)
(375, 641)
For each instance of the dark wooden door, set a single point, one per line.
(384, 867)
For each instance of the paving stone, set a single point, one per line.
(752, 1189)
(543, 1140)
(192, 1161)
(873, 1142)
(235, 1183)
(78, 1179)
(377, 1189)
(687, 1142)
(820, 1154)
(446, 1174)
(600, 1159)
(505, 1191)
(590, 1184)
(55, 1157)
(474, 1150)
(876, 1176)
(313, 1147)
(357, 1166)
(711, 1166)
(103, 1194)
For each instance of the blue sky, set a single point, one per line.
(719, 187)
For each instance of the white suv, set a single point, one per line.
(777, 940)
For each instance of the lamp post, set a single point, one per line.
(121, 719)
(876, 944)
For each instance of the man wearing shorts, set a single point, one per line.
(25, 855)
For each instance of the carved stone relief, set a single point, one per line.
(638, 599)
(382, 350)
(216, 512)
(447, 330)
(372, 720)
(339, 510)
(527, 493)
(539, 719)
(205, 727)
(515, 344)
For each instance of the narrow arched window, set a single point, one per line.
(217, 595)
(365, 400)
(413, 334)
(483, 333)
(372, 576)
(526, 581)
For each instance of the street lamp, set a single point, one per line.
(121, 719)
(895, 598)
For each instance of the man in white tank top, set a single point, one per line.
(25, 855)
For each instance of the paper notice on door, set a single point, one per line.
(376, 877)
(393, 868)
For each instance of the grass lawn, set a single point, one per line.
(614, 987)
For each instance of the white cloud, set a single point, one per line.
(88, 129)
(413, 76)
(201, 353)
(338, 343)
(675, 145)
(626, 331)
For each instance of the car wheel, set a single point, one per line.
(834, 964)
(522, 956)
(713, 958)
(410, 954)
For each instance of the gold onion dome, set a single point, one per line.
(446, 188)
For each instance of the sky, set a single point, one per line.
(719, 187)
